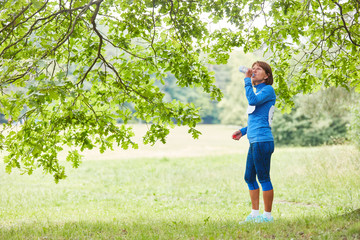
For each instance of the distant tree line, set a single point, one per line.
(2, 118)
(320, 118)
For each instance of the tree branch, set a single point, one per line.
(154, 24)
(344, 22)
(60, 42)
(93, 18)
(173, 19)
(16, 17)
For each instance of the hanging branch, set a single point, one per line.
(344, 25)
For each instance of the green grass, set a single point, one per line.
(317, 196)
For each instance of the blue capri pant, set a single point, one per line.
(258, 164)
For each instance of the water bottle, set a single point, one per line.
(243, 69)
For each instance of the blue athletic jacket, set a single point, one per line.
(260, 112)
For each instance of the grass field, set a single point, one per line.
(186, 189)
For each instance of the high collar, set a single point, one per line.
(260, 86)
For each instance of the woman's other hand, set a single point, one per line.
(237, 135)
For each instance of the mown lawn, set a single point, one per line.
(317, 196)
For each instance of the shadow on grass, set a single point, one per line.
(337, 227)
(354, 214)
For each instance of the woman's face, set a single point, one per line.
(258, 75)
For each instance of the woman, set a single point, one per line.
(260, 113)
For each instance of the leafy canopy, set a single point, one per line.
(69, 69)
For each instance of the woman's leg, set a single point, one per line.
(254, 195)
(262, 158)
(268, 199)
(250, 179)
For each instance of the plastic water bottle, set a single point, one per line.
(243, 69)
